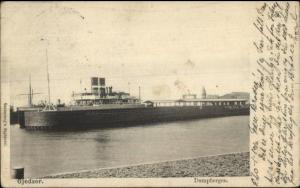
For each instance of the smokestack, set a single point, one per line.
(110, 90)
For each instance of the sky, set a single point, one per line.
(166, 48)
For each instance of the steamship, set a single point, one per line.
(102, 107)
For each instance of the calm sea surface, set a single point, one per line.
(44, 153)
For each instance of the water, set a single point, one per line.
(44, 153)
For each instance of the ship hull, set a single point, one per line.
(103, 118)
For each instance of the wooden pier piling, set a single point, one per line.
(17, 173)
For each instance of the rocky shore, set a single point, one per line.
(236, 164)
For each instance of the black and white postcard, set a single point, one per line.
(149, 94)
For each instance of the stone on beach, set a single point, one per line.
(236, 164)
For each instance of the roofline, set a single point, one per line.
(199, 100)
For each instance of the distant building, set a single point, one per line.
(236, 95)
(189, 96)
(212, 96)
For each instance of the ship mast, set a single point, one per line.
(48, 80)
(48, 106)
(129, 87)
(30, 92)
(139, 93)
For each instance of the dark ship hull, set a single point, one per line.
(14, 117)
(17, 117)
(103, 118)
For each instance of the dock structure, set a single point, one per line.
(197, 102)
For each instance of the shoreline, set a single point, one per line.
(233, 164)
